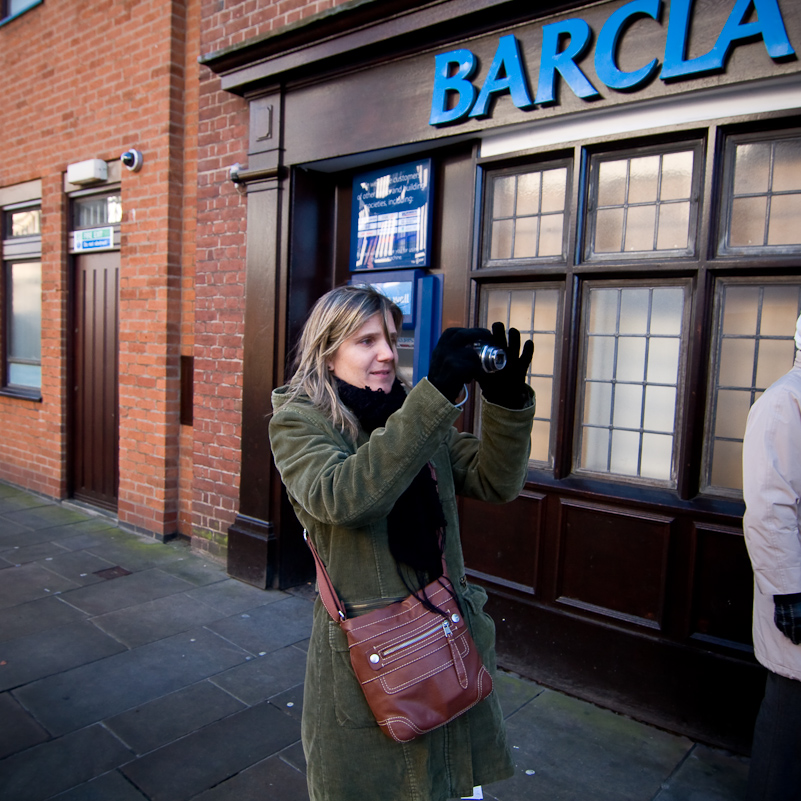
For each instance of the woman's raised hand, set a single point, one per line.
(454, 361)
(507, 387)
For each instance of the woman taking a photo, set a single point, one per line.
(358, 451)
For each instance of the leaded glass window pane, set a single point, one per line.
(535, 312)
(527, 215)
(764, 196)
(630, 391)
(753, 347)
(644, 204)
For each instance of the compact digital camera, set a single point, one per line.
(492, 359)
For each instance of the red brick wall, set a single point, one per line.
(220, 277)
(89, 80)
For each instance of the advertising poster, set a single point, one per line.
(391, 219)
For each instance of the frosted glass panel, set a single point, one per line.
(554, 190)
(677, 176)
(603, 311)
(627, 411)
(660, 409)
(634, 311)
(598, 404)
(740, 310)
(547, 303)
(595, 449)
(784, 227)
(601, 358)
(736, 362)
(526, 232)
(643, 179)
(727, 465)
(640, 227)
(26, 311)
(612, 183)
(667, 310)
(609, 230)
(775, 359)
(748, 221)
(542, 360)
(520, 306)
(540, 441)
(732, 412)
(543, 389)
(625, 454)
(674, 226)
(631, 359)
(787, 166)
(528, 193)
(551, 235)
(663, 361)
(752, 168)
(502, 232)
(657, 456)
(503, 199)
(782, 311)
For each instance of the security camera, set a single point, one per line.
(132, 160)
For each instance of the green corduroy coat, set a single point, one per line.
(342, 493)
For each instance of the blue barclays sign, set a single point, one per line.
(456, 97)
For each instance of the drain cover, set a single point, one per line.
(112, 572)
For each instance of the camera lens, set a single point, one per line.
(492, 359)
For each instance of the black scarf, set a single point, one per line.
(415, 521)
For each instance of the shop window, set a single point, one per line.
(13, 8)
(535, 312)
(643, 205)
(763, 197)
(526, 217)
(754, 346)
(632, 351)
(22, 302)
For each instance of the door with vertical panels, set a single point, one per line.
(95, 408)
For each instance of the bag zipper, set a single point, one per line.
(444, 626)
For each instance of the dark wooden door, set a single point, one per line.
(95, 463)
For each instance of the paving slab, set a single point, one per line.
(20, 554)
(44, 515)
(234, 597)
(268, 628)
(707, 774)
(29, 582)
(35, 616)
(193, 568)
(156, 620)
(262, 678)
(112, 786)
(125, 591)
(90, 693)
(50, 768)
(14, 502)
(208, 757)
(78, 566)
(18, 730)
(167, 719)
(566, 749)
(132, 551)
(269, 779)
(27, 659)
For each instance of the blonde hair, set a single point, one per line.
(336, 316)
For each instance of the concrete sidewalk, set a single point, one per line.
(132, 669)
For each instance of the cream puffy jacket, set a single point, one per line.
(772, 491)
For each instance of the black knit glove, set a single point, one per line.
(507, 387)
(787, 616)
(454, 361)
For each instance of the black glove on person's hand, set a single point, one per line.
(508, 387)
(787, 616)
(454, 361)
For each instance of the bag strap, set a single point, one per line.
(328, 595)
